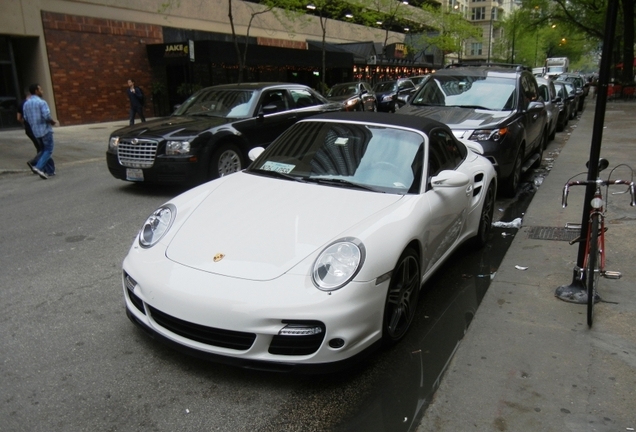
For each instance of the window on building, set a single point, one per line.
(478, 13)
(475, 48)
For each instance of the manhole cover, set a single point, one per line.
(553, 233)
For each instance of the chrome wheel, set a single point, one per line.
(226, 160)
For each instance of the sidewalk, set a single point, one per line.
(73, 144)
(528, 361)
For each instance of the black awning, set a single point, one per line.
(217, 52)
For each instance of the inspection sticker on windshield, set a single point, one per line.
(278, 167)
(341, 141)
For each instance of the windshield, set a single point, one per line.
(383, 159)
(342, 90)
(219, 103)
(495, 94)
(385, 87)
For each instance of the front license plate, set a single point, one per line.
(134, 174)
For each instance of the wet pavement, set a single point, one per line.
(528, 361)
(522, 360)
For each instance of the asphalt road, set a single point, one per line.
(71, 360)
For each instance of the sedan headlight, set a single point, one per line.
(174, 148)
(338, 264)
(113, 143)
(157, 225)
(387, 98)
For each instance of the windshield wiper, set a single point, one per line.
(471, 106)
(341, 182)
(277, 174)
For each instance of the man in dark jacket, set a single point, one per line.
(137, 101)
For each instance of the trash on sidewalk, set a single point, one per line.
(516, 223)
(518, 267)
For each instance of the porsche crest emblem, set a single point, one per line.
(218, 257)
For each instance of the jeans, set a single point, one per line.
(136, 110)
(44, 158)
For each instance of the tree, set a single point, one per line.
(453, 30)
(587, 17)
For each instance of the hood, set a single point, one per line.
(173, 126)
(458, 118)
(263, 227)
(343, 98)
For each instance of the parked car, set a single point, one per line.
(551, 101)
(356, 96)
(418, 80)
(565, 106)
(498, 106)
(211, 133)
(392, 95)
(573, 95)
(256, 269)
(582, 85)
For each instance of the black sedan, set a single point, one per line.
(356, 96)
(210, 135)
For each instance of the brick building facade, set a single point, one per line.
(91, 60)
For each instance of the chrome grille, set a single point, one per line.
(137, 153)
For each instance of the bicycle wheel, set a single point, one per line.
(592, 271)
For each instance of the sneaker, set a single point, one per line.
(40, 173)
(32, 167)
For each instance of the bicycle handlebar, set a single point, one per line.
(599, 183)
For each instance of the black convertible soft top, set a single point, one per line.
(388, 119)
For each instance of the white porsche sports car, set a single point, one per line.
(315, 254)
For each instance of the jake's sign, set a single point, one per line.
(176, 50)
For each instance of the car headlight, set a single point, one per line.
(177, 148)
(157, 225)
(488, 134)
(113, 143)
(338, 264)
(351, 102)
(387, 98)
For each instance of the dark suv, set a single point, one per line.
(498, 106)
(211, 134)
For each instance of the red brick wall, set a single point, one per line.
(91, 59)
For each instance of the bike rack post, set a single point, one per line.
(576, 291)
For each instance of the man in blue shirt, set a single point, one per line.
(38, 115)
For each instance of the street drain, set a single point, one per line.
(553, 233)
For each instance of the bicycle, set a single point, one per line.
(594, 259)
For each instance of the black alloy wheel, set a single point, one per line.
(401, 299)
(509, 187)
(486, 218)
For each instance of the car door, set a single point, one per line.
(275, 113)
(535, 115)
(448, 205)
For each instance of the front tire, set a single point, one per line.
(510, 184)
(227, 159)
(401, 298)
(592, 271)
(485, 220)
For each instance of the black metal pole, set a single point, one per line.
(576, 292)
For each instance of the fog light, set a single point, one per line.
(300, 330)
(336, 343)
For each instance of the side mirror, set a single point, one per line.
(255, 153)
(449, 179)
(536, 106)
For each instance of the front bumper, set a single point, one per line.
(168, 170)
(236, 321)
